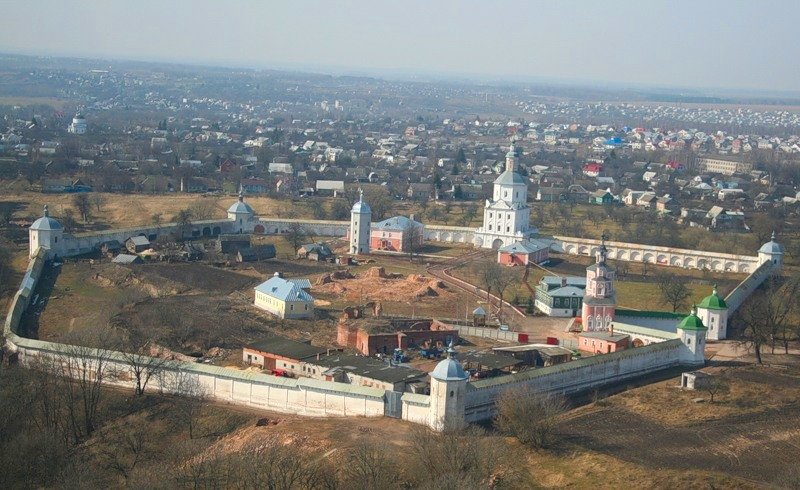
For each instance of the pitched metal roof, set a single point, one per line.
(283, 290)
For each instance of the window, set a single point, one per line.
(291, 307)
(56, 239)
(505, 193)
(508, 228)
(452, 394)
(490, 227)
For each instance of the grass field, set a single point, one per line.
(28, 101)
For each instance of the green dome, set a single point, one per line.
(713, 302)
(692, 322)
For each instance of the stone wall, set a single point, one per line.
(746, 287)
(302, 396)
(667, 256)
(576, 376)
(24, 295)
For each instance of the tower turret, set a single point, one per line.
(241, 213)
(692, 333)
(713, 311)
(360, 224)
(772, 252)
(448, 394)
(46, 233)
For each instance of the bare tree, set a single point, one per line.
(529, 416)
(142, 363)
(766, 315)
(189, 395)
(497, 279)
(674, 291)
(466, 458)
(83, 205)
(469, 214)
(295, 235)
(370, 468)
(202, 209)
(716, 385)
(184, 220)
(125, 448)
(81, 368)
(412, 238)
(99, 200)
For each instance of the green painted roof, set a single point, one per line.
(692, 322)
(713, 302)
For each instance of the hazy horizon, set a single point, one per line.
(721, 45)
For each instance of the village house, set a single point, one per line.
(318, 252)
(256, 253)
(232, 243)
(285, 298)
(136, 244)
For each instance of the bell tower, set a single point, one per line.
(600, 298)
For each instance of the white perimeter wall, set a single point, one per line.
(576, 376)
(674, 257)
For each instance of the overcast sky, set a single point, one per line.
(689, 43)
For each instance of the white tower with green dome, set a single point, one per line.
(713, 311)
(692, 333)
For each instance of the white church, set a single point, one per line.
(506, 217)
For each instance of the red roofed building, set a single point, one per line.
(593, 169)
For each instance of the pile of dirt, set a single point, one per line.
(376, 272)
(117, 276)
(112, 276)
(377, 285)
(333, 276)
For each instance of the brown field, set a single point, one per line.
(609, 443)
(752, 432)
(28, 101)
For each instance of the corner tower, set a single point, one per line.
(360, 224)
(448, 394)
(46, 233)
(600, 298)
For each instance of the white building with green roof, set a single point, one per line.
(714, 312)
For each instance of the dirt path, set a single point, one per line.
(442, 271)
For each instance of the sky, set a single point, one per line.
(709, 44)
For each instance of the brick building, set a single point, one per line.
(372, 336)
